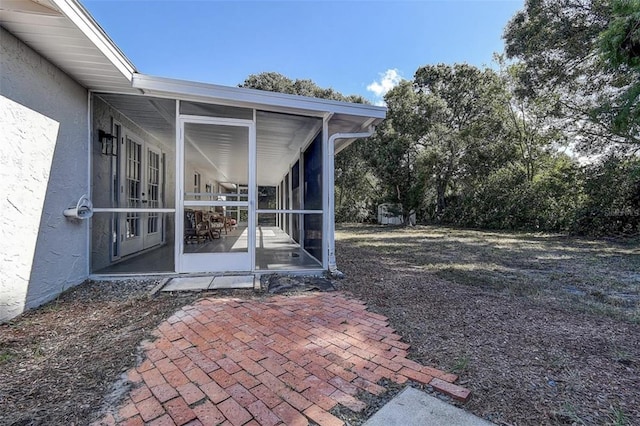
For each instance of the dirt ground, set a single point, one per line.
(59, 363)
(543, 329)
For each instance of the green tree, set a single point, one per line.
(558, 43)
(275, 82)
(357, 190)
(620, 49)
(460, 126)
(612, 197)
(532, 120)
(392, 152)
(444, 129)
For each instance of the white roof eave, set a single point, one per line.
(77, 14)
(240, 96)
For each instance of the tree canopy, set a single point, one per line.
(582, 52)
(275, 82)
(498, 147)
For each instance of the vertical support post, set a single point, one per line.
(327, 207)
(89, 248)
(179, 192)
(252, 190)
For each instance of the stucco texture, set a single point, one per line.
(43, 170)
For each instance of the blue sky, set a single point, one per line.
(355, 47)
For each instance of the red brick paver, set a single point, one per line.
(281, 360)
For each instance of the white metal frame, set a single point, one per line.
(206, 262)
(288, 104)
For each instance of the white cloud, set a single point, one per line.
(388, 80)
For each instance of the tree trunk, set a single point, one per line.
(440, 201)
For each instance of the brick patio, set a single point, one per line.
(280, 360)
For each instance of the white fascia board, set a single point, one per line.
(79, 16)
(241, 96)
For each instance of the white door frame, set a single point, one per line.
(130, 245)
(214, 262)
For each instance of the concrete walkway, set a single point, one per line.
(413, 407)
(280, 360)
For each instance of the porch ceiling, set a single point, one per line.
(279, 138)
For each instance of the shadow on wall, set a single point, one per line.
(43, 171)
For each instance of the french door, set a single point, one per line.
(141, 186)
(209, 235)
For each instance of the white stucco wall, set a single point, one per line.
(43, 170)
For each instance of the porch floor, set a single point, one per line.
(276, 360)
(275, 251)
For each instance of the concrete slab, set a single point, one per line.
(188, 284)
(231, 282)
(412, 407)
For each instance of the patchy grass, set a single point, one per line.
(460, 365)
(599, 276)
(5, 357)
(544, 329)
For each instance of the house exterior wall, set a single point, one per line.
(43, 170)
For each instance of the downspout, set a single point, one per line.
(333, 269)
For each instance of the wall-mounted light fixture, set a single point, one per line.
(108, 143)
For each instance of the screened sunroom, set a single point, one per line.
(196, 178)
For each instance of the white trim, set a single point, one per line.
(330, 216)
(216, 194)
(342, 145)
(90, 28)
(268, 211)
(179, 190)
(205, 203)
(252, 188)
(331, 188)
(129, 245)
(221, 121)
(131, 210)
(240, 96)
(192, 262)
(88, 229)
(289, 176)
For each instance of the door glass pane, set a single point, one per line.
(133, 185)
(153, 190)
